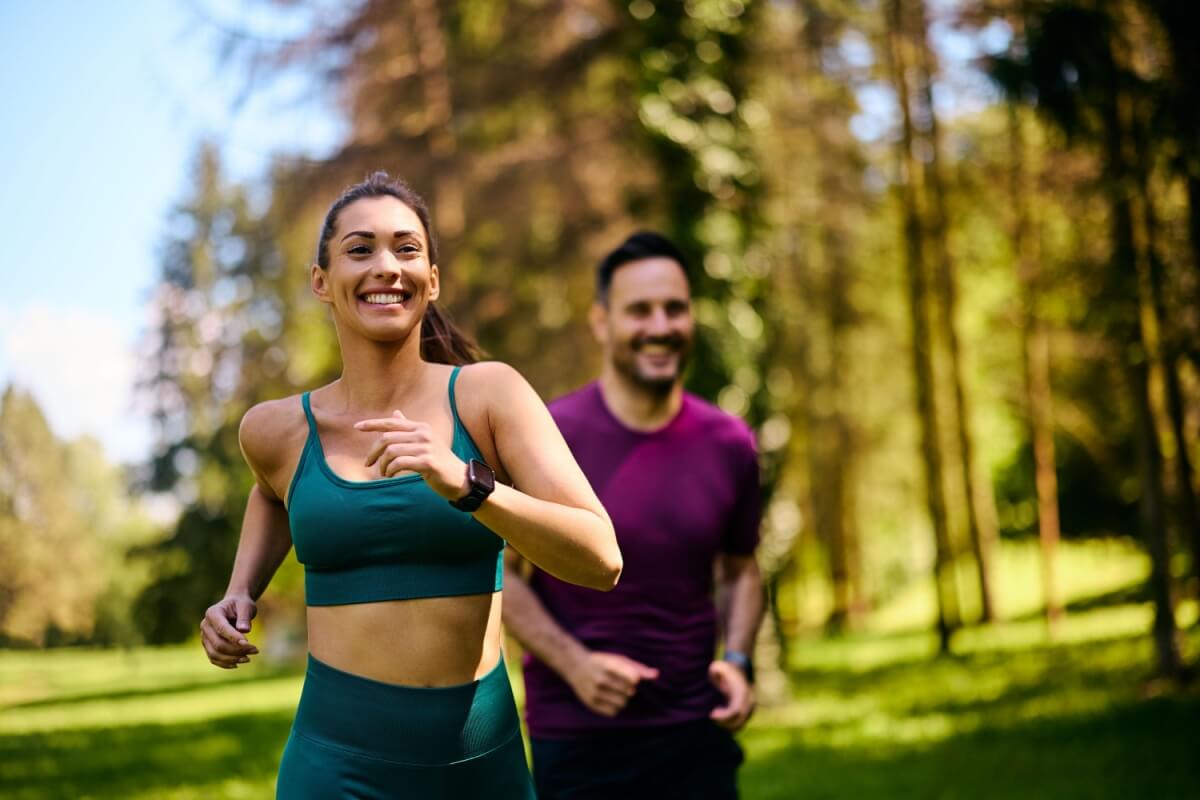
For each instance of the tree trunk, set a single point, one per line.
(841, 439)
(1153, 524)
(1036, 356)
(948, 618)
(1189, 509)
(1166, 359)
(824, 483)
(1182, 27)
(980, 504)
(1129, 338)
(827, 279)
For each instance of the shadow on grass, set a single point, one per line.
(1134, 593)
(1047, 664)
(1137, 750)
(131, 760)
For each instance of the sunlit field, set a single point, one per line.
(872, 715)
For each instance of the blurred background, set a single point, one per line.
(949, 269)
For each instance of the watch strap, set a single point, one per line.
(742, 662)
(477, 490)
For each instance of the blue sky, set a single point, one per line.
(103, 105)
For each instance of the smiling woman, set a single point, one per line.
(385, 481)
(440, 340)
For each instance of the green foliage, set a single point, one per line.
(691, 71)
(66, 523)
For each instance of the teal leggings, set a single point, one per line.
(358, 738)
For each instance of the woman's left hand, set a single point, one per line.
(405, 444)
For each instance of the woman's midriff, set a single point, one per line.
(429, 641)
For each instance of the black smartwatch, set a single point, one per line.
(742, 662)
(481, 481)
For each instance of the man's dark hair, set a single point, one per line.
(643, 244)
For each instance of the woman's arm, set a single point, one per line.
(263, 544)
(550, 514)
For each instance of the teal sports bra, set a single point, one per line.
(387, 539)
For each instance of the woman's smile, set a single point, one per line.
(389, 300)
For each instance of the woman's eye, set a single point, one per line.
(408, 248)
(359, 249)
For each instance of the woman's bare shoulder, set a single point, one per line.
(492, 379)
(270, 431)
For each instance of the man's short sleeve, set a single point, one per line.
(742, 530)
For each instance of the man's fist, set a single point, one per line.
(604, 682)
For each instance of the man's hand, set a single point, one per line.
(604, 682)
(739, 696)
(223, 631)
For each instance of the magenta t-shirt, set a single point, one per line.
(678, 497)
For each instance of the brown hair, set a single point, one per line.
(441, 340)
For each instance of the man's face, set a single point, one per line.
(647, 327)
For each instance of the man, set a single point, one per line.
(625, 697)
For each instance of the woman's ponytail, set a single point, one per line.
(443, 343)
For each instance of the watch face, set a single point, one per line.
(481, 475)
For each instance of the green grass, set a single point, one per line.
(876, 716)
(873, 715)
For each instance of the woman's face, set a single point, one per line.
(379, 280)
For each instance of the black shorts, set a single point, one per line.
(689, 761)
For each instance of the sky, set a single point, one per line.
(104, 105)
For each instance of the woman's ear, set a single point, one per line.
(319, 284)
(435, 283)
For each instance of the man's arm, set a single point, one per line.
(603, 682)
(741, 585)
(740, 604)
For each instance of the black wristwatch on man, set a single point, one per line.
(481, 482)
(742, 662)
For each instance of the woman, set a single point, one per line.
(398, 484)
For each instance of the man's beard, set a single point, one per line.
(625, 362)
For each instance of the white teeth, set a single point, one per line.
(384, 299)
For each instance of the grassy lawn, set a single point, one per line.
(872, 715)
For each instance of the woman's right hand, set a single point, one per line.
(223, 631)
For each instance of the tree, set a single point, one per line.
(1180, 28)
(979, 503)
(900, 62)
(1036, 360)
(66, 522)
(230, 332)
(1076, 64)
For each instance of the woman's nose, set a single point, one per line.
(386, 264)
